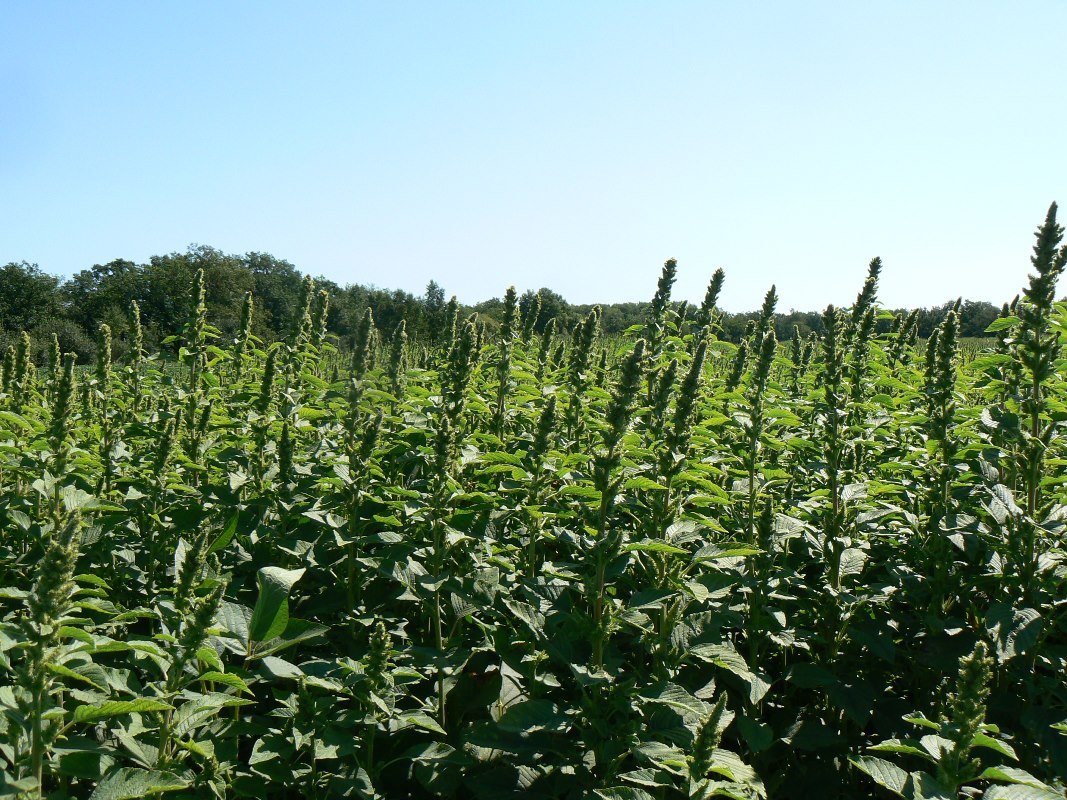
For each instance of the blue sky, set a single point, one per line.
(574, 145)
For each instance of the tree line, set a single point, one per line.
(73, 309)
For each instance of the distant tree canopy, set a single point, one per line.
(73, 309)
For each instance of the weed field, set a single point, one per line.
(542, 565)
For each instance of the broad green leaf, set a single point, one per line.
(225, 678)
(533, 715)
(271, 613)
(1005, 749)
(67, 672)
(653, 546)
(280, 668)
(15, 420)
(902, 746)
(116, 708)
(423, 721)
(1012, 775)
(677, 697)
(1018, 792)
(1002, 323)
(200, 709)
(648, 777)
(235, 619)
(925, 786)
(296, 631)
(644, 484)
(623, 793)
(132, 783)
(226, 536)
(1014, 630)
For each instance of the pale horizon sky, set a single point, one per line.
(569, 145)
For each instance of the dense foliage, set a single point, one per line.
(540, 563)
(73, 309)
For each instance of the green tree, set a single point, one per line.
(28, 297)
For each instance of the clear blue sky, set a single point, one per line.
(574, 145)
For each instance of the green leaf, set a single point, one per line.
(93, 580)
(729, 764)
(225, 537)
(533, 715)
(906, 746)
(116, 708)
(653, 546)
(225, 678)
(1005, 749)
(726, 657)
(623, 793)
(1014, 630)
(1018, 792)
(1002, 323)
(925, 786)
(677, 697)
(67, 672)
(424, 721)
(1012, 775)
(131, 783)
(296, 631)
(530, 616)
(235, 619)
(922, 722)
(201, 709)
(14, 419)
(581, 491)
(644, 484)
(663, 755)
(648, 777)
(280, 668)
(714, 552)
(271, 614)
(758, 735)
(500, 457)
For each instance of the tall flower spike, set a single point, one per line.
(307, 297)
(22, 358)
(362, 344)
(529, 321)
(504, 353)
(103, 357)
(708, 308)
(546, 426)
(398, 359)
(1049, 260)
(136, 334)
(55, 572)
(266, 386)
(9, 369)
(766, 315)
(444, 448)
(244, 334)
(865, 299)
(622, 402)
(707, 740)
(64, 406)
(737, 367)
(55, 357)
(285, 454)
(545, 351)
(662, 298)
(688, 394)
